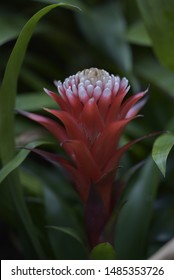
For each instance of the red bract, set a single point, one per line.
(92, 117)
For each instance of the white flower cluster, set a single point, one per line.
(91, 83)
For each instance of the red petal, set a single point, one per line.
(73, 130)
(91, 120)
(114, 109)
(83, 159)
(76, 105)
(114, 161)
(129, 103)
(62, 104)
(107, 142)
(103, 103)
(82, 184)
(57, 130)
(104, 187)
(136, 108)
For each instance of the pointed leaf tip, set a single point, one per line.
(161, 150)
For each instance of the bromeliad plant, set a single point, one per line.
(90, 122)
(92, 116)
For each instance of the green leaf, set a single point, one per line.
(18, 159)
(159, 20)
(77, 3)
(136, 213)
(9, 83)
(137, 34)
(103, 251)
(161, 148)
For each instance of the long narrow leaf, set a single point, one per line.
(136, 213)
(18, 159)
(9, 84)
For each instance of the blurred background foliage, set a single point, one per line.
(129, 38)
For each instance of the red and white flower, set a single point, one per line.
(92, 116)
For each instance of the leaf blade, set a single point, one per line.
(161, 149)
(135, 216)
(18, 159)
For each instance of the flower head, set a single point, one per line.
(92, 117)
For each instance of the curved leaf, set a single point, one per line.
(18, 159)
(9, 83)
(67, 2)
(161, 149)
